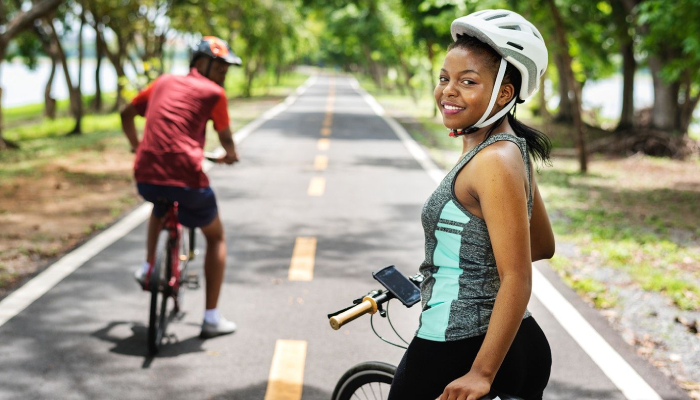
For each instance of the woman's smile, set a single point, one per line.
(451, 108)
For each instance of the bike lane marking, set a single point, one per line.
(24, 296)
(321, 162)
(615, 367)
(301, 268)
(286, 379)
(317, 186)
(323, 144)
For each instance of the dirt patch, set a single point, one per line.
(41, 218)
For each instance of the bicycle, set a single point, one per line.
(375, 377)
(168, 275)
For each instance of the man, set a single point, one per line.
(169, 157)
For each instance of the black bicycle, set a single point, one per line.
(372, 380)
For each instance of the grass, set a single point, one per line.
(635, 217)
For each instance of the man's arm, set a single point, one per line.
(128, 126)
(226, 139)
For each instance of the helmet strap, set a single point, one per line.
(211, 60)
(494, 95)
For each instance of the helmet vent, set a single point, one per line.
(511, 27)
(476, 14)
(517, 46)
(495, 16)
(534, 32)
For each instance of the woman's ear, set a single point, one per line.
(506, 94)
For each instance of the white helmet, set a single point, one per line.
(516, 40)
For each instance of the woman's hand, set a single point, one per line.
(471, 386)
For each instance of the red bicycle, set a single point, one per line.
(168, 276)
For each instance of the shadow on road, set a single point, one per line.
(135, 345)
(257, 391)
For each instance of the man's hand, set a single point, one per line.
(471, 386)
(229, 158)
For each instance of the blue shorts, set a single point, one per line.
(196, 207)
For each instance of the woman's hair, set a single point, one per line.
(538, 144)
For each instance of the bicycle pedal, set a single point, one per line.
(193, 281)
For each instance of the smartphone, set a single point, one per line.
(398, 285)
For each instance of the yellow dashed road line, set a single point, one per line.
(321, 162)
(317, 186)
(303, 259)
(324, 144)
(286, 379)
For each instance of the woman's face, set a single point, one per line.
(464, 88)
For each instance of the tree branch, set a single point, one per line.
(23, 19)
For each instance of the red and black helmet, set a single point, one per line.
(215, 48)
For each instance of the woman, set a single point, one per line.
(484, 225)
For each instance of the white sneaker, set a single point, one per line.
(140, 278)
(224, 327)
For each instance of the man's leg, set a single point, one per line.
(214, 261)
(214, 267)
(154, 225)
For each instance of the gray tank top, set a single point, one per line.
(461, 279)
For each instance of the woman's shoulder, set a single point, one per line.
(501, 156)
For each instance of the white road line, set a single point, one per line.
(615, 367)
(23, 297)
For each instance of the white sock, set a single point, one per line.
(212, 316)
(145, 267)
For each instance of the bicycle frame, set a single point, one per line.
(174, 228)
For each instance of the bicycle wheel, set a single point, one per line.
(160, 292)
(366, 381)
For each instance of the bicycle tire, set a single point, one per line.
(158, 287)
(368, 377)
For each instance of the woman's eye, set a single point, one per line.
(468, 82)
(442, 79)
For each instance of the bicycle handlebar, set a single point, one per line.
(369, 305)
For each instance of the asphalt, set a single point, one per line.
(85, 339)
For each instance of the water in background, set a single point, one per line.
(24, 86)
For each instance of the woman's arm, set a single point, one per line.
(501, 193)
(541, 235)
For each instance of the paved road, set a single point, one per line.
(85, 339)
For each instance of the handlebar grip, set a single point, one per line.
(368, 305)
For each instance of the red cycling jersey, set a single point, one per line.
(177, 109)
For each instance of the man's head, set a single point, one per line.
(212, 57)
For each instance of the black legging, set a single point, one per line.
(428, 367)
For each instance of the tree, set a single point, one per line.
(670, 35)
(562, 45)
(12, 22)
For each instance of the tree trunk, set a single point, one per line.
(544, 113)
(74, 99)
(665, 113)
(50, 102)
(79, 86)
(99, 54)
(621, 11)
(373, 69)
(565, 112)
(628, 69)
(431, 58)
(573, 86)
(689, 104)
(18, 23)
